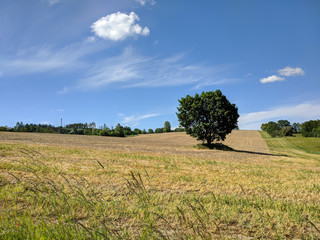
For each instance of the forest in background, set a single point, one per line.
(283, 128)
(87, 129)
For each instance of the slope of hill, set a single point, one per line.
(154, 186)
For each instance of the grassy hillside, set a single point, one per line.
(309, 145)
(294, 146)
(84, 192)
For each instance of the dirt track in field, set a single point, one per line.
(247, 144)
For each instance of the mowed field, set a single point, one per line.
(156, 186)
(167, 143)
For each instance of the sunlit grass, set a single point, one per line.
(69, 192)
(297, 146)
(310, 145)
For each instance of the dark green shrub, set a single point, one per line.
(310, 128)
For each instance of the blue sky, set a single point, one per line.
(129, 61)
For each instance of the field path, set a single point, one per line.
(246, 140)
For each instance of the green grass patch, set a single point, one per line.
(309, 145)
(297, 146)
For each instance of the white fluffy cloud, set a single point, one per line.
(272, 78)
(118, 26)
(289, 71)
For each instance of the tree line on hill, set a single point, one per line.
(283, 128)
(87, 129)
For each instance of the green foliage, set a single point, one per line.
(150, 130)
(4, 128)
(159, 130)
(179, 129)
(74, 128)
(286, 131)
(273, 129)
(77, 126)
(283, 123)
(127, 131)
(208, 117)
(167, 126)
(104, 132)
(296, 127)
(119, 131)
(280, 129)
(311, 128)
(283, 128)
(137, 131)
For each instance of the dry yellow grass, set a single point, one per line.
(250, 192)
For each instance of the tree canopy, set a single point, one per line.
(208, 117)
(311, 128)
(281, 128)
(167, 126)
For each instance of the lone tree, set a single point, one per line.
(208, 117)
(167, 126)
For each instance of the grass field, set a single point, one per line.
(294, 146)
(156, 187)
(309, 145)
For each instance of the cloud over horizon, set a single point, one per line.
(118, 26)
(133, 120)
(297, 113)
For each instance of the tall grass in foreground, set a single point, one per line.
(40, 201)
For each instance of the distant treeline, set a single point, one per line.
(86, 129)
(284, 128)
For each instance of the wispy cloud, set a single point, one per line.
(144, 2)
(46, 58)
(53, 2)
(214, 81)
(133, 120)
(119, 69)
(130, 70)
(289, 71)
(300, 112)
(118, 26)
(272, 78)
